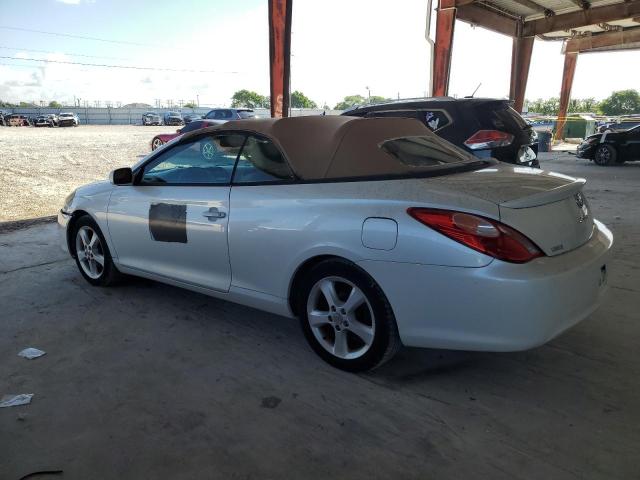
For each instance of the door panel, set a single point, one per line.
(179, 232)
(173, 221)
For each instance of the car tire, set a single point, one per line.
(605, 155)
(90, 247)
(156, 143)
(346, 317)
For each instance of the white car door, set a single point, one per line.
(173, 220)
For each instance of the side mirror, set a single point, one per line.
(179, 130)
(121, 176)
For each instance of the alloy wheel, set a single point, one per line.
(603, 156)
(156, 143)
(90, 252)
(341, 317)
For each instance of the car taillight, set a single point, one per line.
(482, 234)
(483, 139)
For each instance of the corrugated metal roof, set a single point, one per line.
(526, 11)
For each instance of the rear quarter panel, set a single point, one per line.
(273, 229)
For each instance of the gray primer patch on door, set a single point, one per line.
(168, 223)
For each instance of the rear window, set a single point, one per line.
(501, 117)
(423, 151)
(247, 114)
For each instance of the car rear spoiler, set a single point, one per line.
(547, 196)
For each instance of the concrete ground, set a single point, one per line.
(148, 381)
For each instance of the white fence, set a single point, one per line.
(133, 116)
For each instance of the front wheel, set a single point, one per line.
(346, 317)
(92, 253)
(605, 155)
(156, 143)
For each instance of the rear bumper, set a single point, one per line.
(500, 307)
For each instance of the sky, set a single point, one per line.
(339, 48)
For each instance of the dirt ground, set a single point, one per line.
(39, 167)
(147, 381)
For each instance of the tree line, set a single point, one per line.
(623, 102)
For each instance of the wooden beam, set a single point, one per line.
(488, 19)
(582, 18)
(602, 40)
(520, 62)
(570, 60)
(445, 23)
(279, 55)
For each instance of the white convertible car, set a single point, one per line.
(375, 233)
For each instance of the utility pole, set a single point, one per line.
(198, 97)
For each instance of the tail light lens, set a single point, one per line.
(482, 234)
(484, 139)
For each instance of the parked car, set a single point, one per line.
(17, 120)
(163, 138)
(173, 118)
(483, 127)
(50, 120)
(373, 232)
(611, 147)
(3, 114)
(151, 118)
(190, 117)
(230, 113)
(626, 124)
(68, 119)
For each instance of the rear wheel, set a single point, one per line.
(605, 155)
(92, 254)
(156, 143)
(346, 317)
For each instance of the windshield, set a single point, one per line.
(66, 115)
(423, 151)
(174, 114)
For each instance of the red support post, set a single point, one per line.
(570, 60)
(279, 55)
(445, 22)
(520, 61)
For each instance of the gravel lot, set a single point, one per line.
(39, 167)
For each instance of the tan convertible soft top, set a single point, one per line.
(326, 147)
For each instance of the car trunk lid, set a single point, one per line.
(549, 208)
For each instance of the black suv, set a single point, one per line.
(485, 127)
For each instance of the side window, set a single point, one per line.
(208, 160)
(261, 161)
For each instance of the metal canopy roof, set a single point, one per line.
(615, 21)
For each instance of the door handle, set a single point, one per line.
(213, 213)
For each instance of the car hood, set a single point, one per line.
(597, 136)
(95, 188)
(168, 136)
